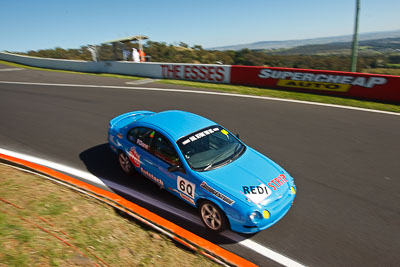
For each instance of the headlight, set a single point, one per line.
(255, 216)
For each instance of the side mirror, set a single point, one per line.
(176, 168)
(238, 136)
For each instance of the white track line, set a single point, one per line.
(13, 69)
(204, 93)
(144, 81)
(88, 177)
(266, 252)
(85, 176)
(134, 215)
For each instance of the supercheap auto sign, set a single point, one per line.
(319, 81)
(361, 85)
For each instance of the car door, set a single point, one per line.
(176, 181)
(139, 140)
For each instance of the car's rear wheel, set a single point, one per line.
(212, 216)
(125, 163)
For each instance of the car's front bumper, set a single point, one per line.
(277, 210)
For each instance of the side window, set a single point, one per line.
(163, 149)
(132, 135)
(141, 136)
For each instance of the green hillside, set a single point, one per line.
(382, 53)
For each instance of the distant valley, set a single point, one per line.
(367, 47)
(380, 40)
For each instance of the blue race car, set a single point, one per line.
(232, 185)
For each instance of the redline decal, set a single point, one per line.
(255, 189)
(257, 193)
(272, 186)
(277, 182)
(134, 157)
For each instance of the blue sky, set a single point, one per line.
(41, 24)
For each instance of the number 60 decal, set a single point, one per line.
(186, 187)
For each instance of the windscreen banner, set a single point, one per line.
(359, 85)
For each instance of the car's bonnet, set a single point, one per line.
(250, 178)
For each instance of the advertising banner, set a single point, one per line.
(194, 72)
(358, 85)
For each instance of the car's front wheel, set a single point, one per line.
(125, 163)
(212, 216)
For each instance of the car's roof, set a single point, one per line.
(178, 123)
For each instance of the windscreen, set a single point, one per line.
(210, 148)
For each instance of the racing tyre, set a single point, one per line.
(212, 216)
(125, 163)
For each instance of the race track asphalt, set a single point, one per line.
(346, 163)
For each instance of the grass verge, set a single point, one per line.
(246, 90)
(394, 71)
(96, 234)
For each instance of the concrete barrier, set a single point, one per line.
(59, 64)
(346, 84)
(192, 72)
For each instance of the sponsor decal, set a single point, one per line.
(257, 193)
(193, 72)
(113, 142)
(134, 157)
(199, 135)
(111, 139)
(277, 182)
(185, 187)
(142, 144)
(152, 177)
(188, 199)
(216, 193)
(185, 197)
(225, 132)
(317, 81)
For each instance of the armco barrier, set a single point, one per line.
(357, 85)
